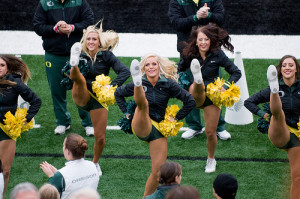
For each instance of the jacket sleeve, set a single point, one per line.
(39, 22)
(217, 14)
(122, 92)
(230, 67)
(120, 69)
(178, 18)
(87, 17)
(252, 102)
(181, 94)
(29, 96)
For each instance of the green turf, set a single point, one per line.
(244, 155)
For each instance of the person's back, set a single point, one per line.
(85, 193)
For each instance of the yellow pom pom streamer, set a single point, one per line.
(104, 91)
(14, 124)
(297, 133)
(226, 98)
(167, 127)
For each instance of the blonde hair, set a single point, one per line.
(167, 67)
(48, 191)
(108, 39)
(87, 193)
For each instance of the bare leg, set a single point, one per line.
(7, 155)
(99, 120)
(294, 160)
(158, 152)
(211, 117)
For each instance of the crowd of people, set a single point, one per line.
(82, 51)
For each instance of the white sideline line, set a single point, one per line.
(118, 128)
(138, 44)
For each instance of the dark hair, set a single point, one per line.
(225, 186)
(183, 192)
(278, 67)
(218, 38)
(168, 171)
(1, 167)
(76, 144)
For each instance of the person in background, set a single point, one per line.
(48, 191)
(66, 179)
(183, 192)
(204, 48)
(169, 178)
(225, 186)
(85, 193)
(184, 15)
(60, 23)
(25, 190)
(283, 94)
(151, 93)
(13, 73)
(96, 51)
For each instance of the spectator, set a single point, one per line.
(85, 193)
(184, 15)
(225, 186)
(169, 178)
(60, 24)
(183, 192)
(25, 190)
(77, 173)
(48, 191)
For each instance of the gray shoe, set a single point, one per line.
(190, 133)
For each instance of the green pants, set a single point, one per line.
(54, 64)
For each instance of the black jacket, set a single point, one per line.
(158, 97)
(104, 61)
(9, 98)
(210, 67)
(182, 16)
(49, 12)
(290, 99)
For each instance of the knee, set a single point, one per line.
(100, 140)
(210, 134)
(6, 172)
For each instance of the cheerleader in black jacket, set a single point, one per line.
(13, 73)
(284, 98)
(152, 92)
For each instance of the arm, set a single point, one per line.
(260, 97)
(231, 68)
(122, 92)
(40, 25)
(120, 69)
(58, 181)
(217, 13)
(87, 17)
(187, 99)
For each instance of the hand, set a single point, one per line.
(223, 89)
(171, 119)
(65, 29)
(203, 12)
(48, 169)
(266, 115)
(60, 23)
(127, 116)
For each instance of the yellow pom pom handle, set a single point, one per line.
(104, 91)
(168, 127)
(15, 125)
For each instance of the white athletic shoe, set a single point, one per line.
(89, 130)
(60, 129)
(211, 164)
(98, 169)
(273, 79)
(224, 135)
(196, 70)
(136, 73)
(75, 53)
(190, 133)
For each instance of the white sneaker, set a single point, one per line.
(196, 70)
(136, 73)
(224, 135)
(98, 168)
(190, 133)
(89, 130)
(211, 164)
(60, 129)
(273, 79)
(75, 53)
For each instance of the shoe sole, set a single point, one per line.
(196, 70)
(75, 53)
(195, 134)
(135, 70)
(272, 78)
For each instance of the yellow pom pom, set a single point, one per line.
(231, 95)
(167, 127)
(104, 91)
(213, 91)
(14, 125)
(298, 131)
